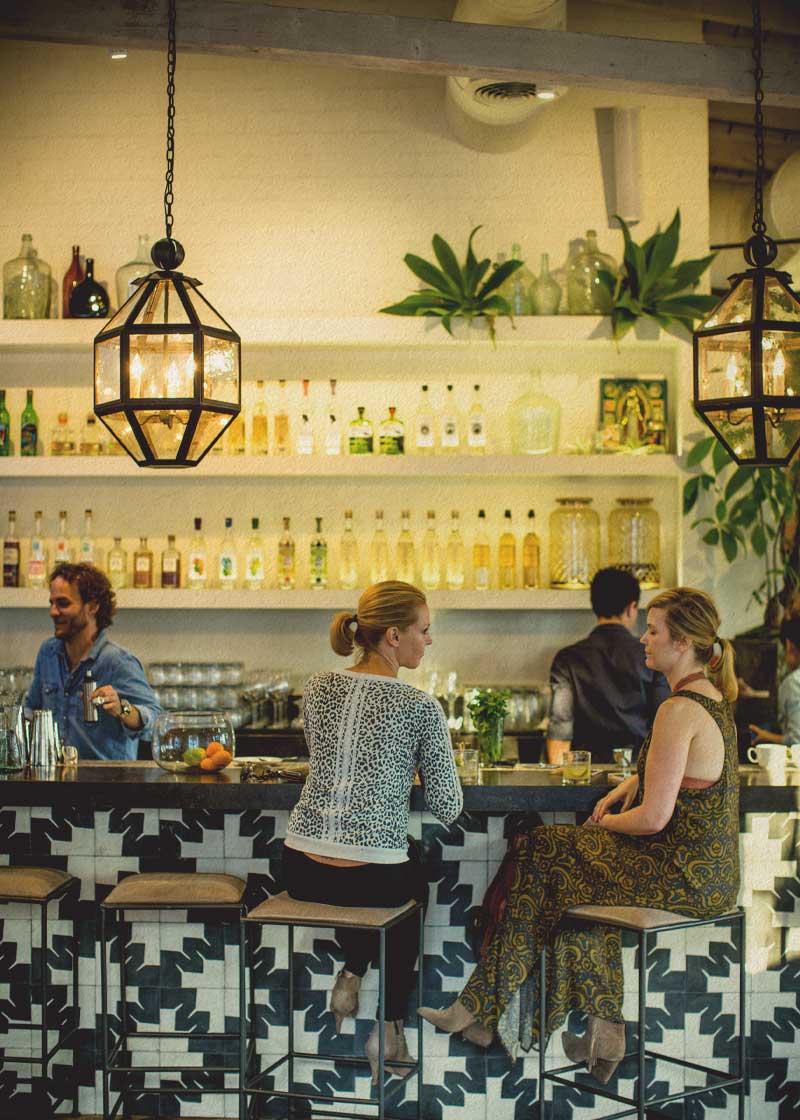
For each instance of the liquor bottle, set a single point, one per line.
(286, 558)
(333, 428)
(378, 552)
(62, 437)
(117, 567)
(37, 561)
(255, 559)
(406, 559)
(197, 574)
(545, 291)
(73, 276)
(92, 442)
(348, 554)
(454, 556)
(517, 288)
(89, 300)
(5, 426)
(424, 425)
(228, 567)
(29, 428)
(430, 561)
(170, 564)
(259, 426)
(304, 444)
(481, 556)
(450, 427)
(391, 439)
(86, 550)
(234, 434)
(476, 424)
(531, 553)
(11, 553)
(26, 284)
(360, 439)
(507, 557)
(141, 265)
(318, 559)
(281, 442)
(142, 565)
(62, 551)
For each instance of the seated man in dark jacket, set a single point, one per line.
(603, 694)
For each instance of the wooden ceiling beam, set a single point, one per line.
(420, 46)
(781, 16)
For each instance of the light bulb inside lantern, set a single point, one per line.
(731, 371)
(778, 377)
(137, 369)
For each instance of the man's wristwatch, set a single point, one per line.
(126, 708)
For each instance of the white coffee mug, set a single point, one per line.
(793, 754)
(770, 756)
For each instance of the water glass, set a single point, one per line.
(623, 756)
(577, 769)
(468, 765)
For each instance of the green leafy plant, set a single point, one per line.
(488, 705)
(456, 291)
(649, 285)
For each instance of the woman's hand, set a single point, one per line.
(625, 793)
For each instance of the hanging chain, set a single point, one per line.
(759, 225)
(169, 197)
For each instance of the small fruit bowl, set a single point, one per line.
(193, 742)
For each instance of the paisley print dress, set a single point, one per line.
(691, 867)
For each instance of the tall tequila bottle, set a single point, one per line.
(286, 576)
(476, 424)
(305, 434)
(197, 574)
(531, 555)
(333, 426)
(117, 565)
(255, 563)
(405, 553)
(259, 427)
(37, 561)
(450, 427)
(143, 565)
(481, 556)
(424, 425)
(392, 438)
(360, 437)
(170, 564)
(11, 553)
(318, 559)
(86, 546)
(228, 566)
(378, 552)
(454, 556)
(62, 552)
(507, 556)
(281, 441)
(348, 554)
(431, 564)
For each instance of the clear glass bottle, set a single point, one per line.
(305, 434)
(142, 565)
(574, 543)
(89, 299)
(318, 559)
(117, 567)
(286, 562)
(281, 431)
(379, 552)
(197, 573)
(26, 284)
(545, 291)
(11, 553)
(333, 427)
(29, 428)
(228, 561)
(450, 434)
(234, 435)
(360, 436)
(424, 425)
(507, 556)
(476, 424)
(170, 564)
(634, 540)
(86, 545)
(259, 423)
(5, 426)
(454, 556)
(585, 294)
(73, 276)
(92, 442)
(37, 559)
(531, 556)
(62, 548)
(517, 288)
(481, 556)
(62, 437)
(405, 552)
(255, 561)
(348, 554)
(141, 265)
(430, 560)
(534, 420)
(392, 440)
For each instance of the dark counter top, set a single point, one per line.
(145, 785)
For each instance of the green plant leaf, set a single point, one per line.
(688, 273)
(607, 280)
(407, 307)
(634, 266)
(740, 477)
(663, 251)
(650, 244)
(711, 537)
(500, 274)
(480, 273)
(729, 545)
(450, 266)
(690, 493)
(430, 275)
(687, 306)
(721, 510)
(758, 540)
(720, 457)
(699, 451)
(471, 270)
(707, 481)
(497, 304)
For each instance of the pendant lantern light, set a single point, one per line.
(747, 352)
(167, 366)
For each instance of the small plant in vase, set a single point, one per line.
(488, 708)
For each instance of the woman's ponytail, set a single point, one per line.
(342, 639)
(722, 671)
(381, 606)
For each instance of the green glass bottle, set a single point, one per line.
(5, 426)
(318, 559)
(29, 433)
(360, 436)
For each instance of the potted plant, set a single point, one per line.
(453, 290)
(649, 286)
(488, 707)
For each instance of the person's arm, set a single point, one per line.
(129, 683)
(790, 709)
(760, 735)
(443, 794)
(560, 724)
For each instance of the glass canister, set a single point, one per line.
(634, 543)
(26, 284)
(534, 421)
(574, 544)
(585, 294)
(198, 742)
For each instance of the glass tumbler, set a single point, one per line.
(577, 769)
(574, 544)
(634, 544)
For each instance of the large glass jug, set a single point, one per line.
(634, 541)
(534, 421)
(574, 544)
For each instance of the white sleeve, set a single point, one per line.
(443, 794)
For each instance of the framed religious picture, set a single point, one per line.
(633, 414)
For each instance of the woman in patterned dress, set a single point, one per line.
(671, 843)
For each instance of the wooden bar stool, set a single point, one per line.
(648, 923)
(39, 886)
(222, 894)
(285, 911)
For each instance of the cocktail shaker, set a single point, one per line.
(90, 706)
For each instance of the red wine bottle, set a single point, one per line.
(72, 277)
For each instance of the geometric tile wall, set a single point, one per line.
(184, 976)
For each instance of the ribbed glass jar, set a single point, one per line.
(634, 540)
(574, 543)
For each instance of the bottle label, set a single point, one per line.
(116, 564)
(169, 564)
(4, 439)
(481, 577)
(424, 434)
(28, 439)
(450, 433)
(197, 565)
(318, 559)
(476, 436)
(87, 552)
(142, 564)
(360, 445)
(255, 565)
(227, 566)
(11, 564)
(63, 554)
(392, 445)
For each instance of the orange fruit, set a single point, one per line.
(213, 747)
(208, 763)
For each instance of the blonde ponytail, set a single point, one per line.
(722, 671)
(381, 606)
(342, 640)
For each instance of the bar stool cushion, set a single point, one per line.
(36, 883)
(176, 889)
(283, 910)
(634, 917)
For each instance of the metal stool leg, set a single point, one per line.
(420, 998)
(123, 1006)
(44, 1095)
(291, 1015)
(242, 1021)
(640, 1083)
(381, 1023)
(76, 1016)
(744, 1088)
(104, 1014)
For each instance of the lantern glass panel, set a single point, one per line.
(209, 426)
(163, 429)
(205, 312)
(119, 425)
(162, 306)
(161, 365)
(724, 366)
(106, 371)
(781, 363)
(737, 307)
(736, 429)
(121, 317)
(220, 369)
(782, 429)
(779, 302)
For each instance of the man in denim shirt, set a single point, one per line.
(82, 606)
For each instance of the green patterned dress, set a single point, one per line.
(691, 867)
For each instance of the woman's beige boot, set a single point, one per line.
(451, 1019)
(602, 1047)
(344, 997)
(394, 1049)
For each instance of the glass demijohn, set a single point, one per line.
(574, 543)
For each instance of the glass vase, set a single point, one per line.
(489, 737)
(545, 291)
(585, 294)
(534, 421)
(634, 544)
(141, 265)
(193, 742)
(26, 284)
(574, 544)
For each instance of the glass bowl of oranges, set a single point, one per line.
(193, 742)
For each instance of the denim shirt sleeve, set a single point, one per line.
(789, 703)
(131, 684)
(33, 698)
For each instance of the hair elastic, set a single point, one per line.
(716, 654)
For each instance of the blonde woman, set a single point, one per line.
(666, 838)
(368, 734)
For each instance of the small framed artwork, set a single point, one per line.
(633, 415)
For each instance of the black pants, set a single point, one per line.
(373, 884)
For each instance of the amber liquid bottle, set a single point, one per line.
(72, 277)
(143, 565)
